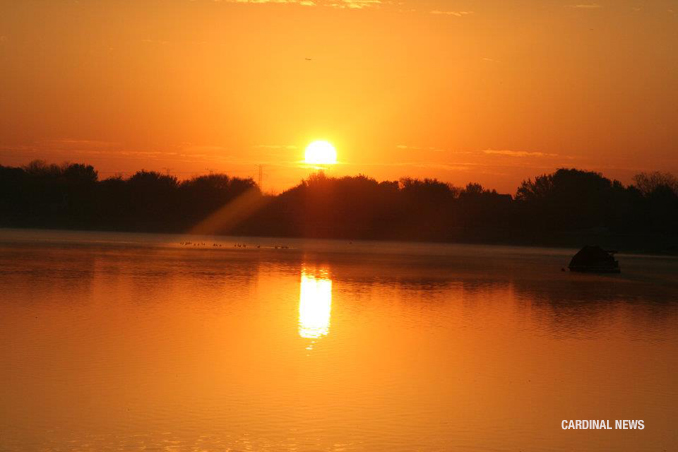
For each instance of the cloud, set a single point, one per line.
(341, 4)
(414, 148)
(295, 2)
(452, 13)
(425, 164)
(75, 144)
(419, 148)
(517, 153)
(356, 4)
(586, 6)
(154, 41)
(275, 146)
(201, 149)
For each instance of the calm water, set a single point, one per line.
(138, 342)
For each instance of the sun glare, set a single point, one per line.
(320, 153)
(315, 305)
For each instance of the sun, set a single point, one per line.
(320, 153)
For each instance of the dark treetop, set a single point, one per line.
(569, 207)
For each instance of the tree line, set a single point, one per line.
(566, 207)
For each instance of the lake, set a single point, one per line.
(114, 341)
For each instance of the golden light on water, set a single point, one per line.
(315, 305)
(320, 153)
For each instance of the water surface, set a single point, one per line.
(146, 342)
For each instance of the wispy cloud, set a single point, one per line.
(425, 165)
(419, 148)
(295, 2)
(201, 149)
(510, 153)
(76, 144)
(355, 4)
(414, 148)
(341, 4)
(586, 6)
(452, 13)
(154, 41)
(275, 146)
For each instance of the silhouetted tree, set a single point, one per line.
(568, 198)
(660, 193)
(568, 206)
(649, 182)
(471, 190)
(202, 195)
(79, 173)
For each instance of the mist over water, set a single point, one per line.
(159, 342)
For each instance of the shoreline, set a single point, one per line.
(555, 245)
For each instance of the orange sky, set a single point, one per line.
(492, 91)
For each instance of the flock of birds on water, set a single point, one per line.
(235, 245)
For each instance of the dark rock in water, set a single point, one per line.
(594, 259)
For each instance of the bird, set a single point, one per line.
(309, 59)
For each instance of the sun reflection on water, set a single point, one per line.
(315, 304)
